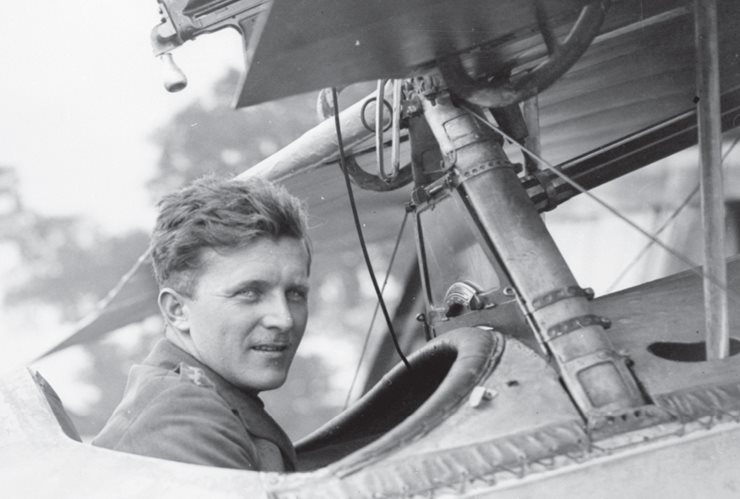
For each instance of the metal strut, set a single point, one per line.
(597, 378)
(712, 194)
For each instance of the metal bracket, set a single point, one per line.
(589, 360)
(575, 324)
(460, 296)
(426, 194)
(548, 189)
(458, 141)
(428, 86)
(561, 294)
(467, 174)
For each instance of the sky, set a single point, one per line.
(81, 94)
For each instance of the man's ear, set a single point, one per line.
(174, 309)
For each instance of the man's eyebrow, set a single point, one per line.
(264, 284)
(248, 283)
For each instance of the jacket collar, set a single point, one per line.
(250, 407)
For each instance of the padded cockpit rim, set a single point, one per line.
(478, 352)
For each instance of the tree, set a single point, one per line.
(71, 263)
(212, 138)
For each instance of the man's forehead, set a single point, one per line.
(263, 257)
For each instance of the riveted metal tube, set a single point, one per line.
(597, 378)
(712, 194)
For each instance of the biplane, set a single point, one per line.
(485, 115)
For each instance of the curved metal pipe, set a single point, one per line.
(562, 57)
(371, 182)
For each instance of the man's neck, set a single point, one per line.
(181, 341)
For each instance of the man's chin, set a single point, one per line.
(264, 383)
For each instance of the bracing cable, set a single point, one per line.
(693, 266)
(375, 311)
(665, 225)
(358, 226)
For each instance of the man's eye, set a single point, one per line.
(297, 295)
(249, 294)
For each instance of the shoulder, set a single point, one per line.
(194, 376)
(179, 415)
(183, 382)
(186, 396)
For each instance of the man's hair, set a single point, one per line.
(217, 213)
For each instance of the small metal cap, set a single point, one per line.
(173, 77)
(480, 394)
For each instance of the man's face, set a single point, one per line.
(249, 310)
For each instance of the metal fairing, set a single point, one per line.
(521, 441)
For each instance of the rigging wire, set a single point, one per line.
(358, 226)
(375, 311)
(693, 266)
(666, 224)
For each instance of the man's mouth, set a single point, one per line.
(270, 348)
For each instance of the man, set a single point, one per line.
(232, 261)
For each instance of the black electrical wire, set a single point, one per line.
(358, 226)
(375, 311)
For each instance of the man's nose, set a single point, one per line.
(278, 315)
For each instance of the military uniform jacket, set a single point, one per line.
(174, 407)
